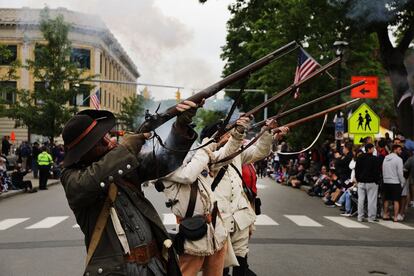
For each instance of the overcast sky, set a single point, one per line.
(171, 42)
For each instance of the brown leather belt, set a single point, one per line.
(142, 254)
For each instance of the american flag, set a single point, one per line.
(306, 65)
(96, 99)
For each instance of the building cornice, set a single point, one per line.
(26, 18)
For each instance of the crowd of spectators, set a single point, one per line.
(367, 180)
(16, 161)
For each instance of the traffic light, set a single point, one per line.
(146, 93)
(178, 95)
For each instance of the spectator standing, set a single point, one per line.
(35, 154)
(261, 166)
(405, 153)
(5, 145)
(392, 170)
(409, 171)
(342, 163)
(367, 174)
(368, 140)
(382, 149)
(44, 161)
(25, 152)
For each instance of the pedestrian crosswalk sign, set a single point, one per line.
(363, 121)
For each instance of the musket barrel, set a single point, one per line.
(287, 90)
(320, 114)
(327, 96)
(171, 112)
(290, 125)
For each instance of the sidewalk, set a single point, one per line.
(35, 183)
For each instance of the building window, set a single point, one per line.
(104, 97)
(113, 101)
(82, 58)
(8, 91)
(39, 87)
(109, 100)
(39, 51)
(82, 98)
(110, 69)
(106, 66)
(10, 54)
(100, 64)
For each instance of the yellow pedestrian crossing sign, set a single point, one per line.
(363, 121)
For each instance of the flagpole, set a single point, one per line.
(327, 72)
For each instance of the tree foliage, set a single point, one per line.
(132, 111)
(258, 27)
(205, 117)
(44, 110)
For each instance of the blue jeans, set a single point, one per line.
(346, 198)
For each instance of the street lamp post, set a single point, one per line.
(339, 47)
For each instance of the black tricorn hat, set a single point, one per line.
(83, 131)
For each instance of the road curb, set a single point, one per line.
(13, 193)
(305, 188)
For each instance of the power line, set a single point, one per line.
(138, 83)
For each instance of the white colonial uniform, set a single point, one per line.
(177, 187)
(234, 207)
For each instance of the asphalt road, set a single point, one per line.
(296, 235)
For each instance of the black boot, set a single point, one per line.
(240, 270)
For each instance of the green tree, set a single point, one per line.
(258, 27)
(205, 117)
(44, 110)
(132, 110)
(379, 17)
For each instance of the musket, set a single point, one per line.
(320, 114)
(153, 121)
(290, 125)
(320, 99)
(286, 91)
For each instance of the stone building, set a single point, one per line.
(94, 48)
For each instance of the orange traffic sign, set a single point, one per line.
(369, 90)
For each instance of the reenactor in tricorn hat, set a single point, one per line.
(123, 232)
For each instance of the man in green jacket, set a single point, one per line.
(44, 161)
(123, 233)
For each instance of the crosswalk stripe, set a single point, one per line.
(265, 220)
(261, 220)
(169, 219)
(47, 222)
(261, 186)
(346, 222)
(7, 223)
(303, 221)
(394, 225)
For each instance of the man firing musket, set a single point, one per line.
(123, 233)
